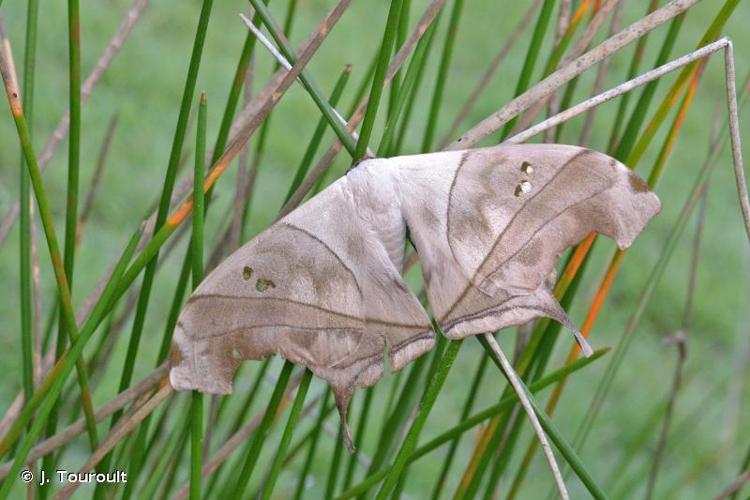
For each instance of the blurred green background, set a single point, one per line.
(144, 85)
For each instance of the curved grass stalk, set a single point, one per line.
(520, 390)
(674, 236)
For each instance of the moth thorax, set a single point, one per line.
(376, 196)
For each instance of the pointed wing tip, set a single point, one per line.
(583, 344)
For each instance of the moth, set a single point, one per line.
(323, 286)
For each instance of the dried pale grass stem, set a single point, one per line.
(66, 435)
(523, 398)
(569, 71)
(124, 427)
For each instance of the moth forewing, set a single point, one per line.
(322, 287)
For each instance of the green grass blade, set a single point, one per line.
(55, 380)
(314, 438)
(744, 467)
(166, 194)
(442, 75)
(561, 443)
(634, 155)
(174, 309)
(639, 112)
(260, 144)
(312, 88)
(74, 138)
(32, 15)
(364, 414)
(241, 416)
(540, 29)
(397, 418)
(632, 73)
(412, 99)
(317, 136)
(401, 34)
(406, 89)
(465, 411)
(333, 470)
(164, 458)
(505, 403)
(376, 91)
(286, 438)
(170, 176)
(258, 439)
(51, 238)
(25, 270)
(196, 237)
(234, 94)
(428, 400)
(196, 246)
(71, 212)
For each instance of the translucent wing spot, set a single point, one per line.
(263, 284)
(523, 188)
(236, 354)
(247, 272)
(526, 168)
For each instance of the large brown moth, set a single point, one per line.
(323, 286)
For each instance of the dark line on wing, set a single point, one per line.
(335, 255)
(461, 163)
(544, 225)
(303, 304)
(339, 364)
(378, 356)
(493, 311)
(275, 325)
